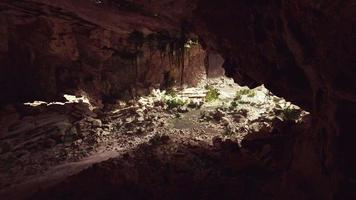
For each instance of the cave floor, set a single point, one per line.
(44, 145)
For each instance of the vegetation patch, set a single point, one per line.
(244, 92)
(175, 102)
(171, 92)
(212, 94)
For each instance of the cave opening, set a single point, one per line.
(208, 123)
(183, 99)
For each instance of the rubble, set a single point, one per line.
(48, 135)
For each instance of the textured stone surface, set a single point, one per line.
(301, 50)
(304, 52)
(49, 48)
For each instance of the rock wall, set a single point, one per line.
(47, 51)
(303, 51)
(214, 63)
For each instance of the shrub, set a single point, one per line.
(175, 102)
(212, 94)
(233, 105)
(244, 92)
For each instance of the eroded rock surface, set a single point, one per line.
(302, 50)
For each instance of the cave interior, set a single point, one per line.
(177, 99)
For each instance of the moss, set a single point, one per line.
(212, 94)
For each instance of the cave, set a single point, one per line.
(184, 99)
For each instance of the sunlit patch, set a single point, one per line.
(69, 99)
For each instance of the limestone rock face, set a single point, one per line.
(106, 49)
(301, 50)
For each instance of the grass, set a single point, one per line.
(212, 94)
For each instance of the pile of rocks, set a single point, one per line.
(137, 119)
(39, 137)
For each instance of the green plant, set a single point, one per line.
(243, 102)
(233, 104)
(212, 94)
(171, 92)
(244, 92)
(290, 114)
(175, 102)
(251, 94)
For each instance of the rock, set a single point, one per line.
(83, 125)
(72, 131)
(140, 130)
(266, 149)
(19, 128)
(31, 145)
(219, 114)
(225, 121)
(97, 123)
(243, 112)
(83, 134)
(230, 129)
(107, 127)
(121, 104)
(78, 142)
(217, 141)
(261, 127)
(129, 119)
(239, 118)
(140, 119)
(182, 109)
(68, 140)
(229, 145)
(195, 104)
(129, 132)
(158, 104)
(5, 147)
(63, 126)
(49, 143)
(140, 112)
